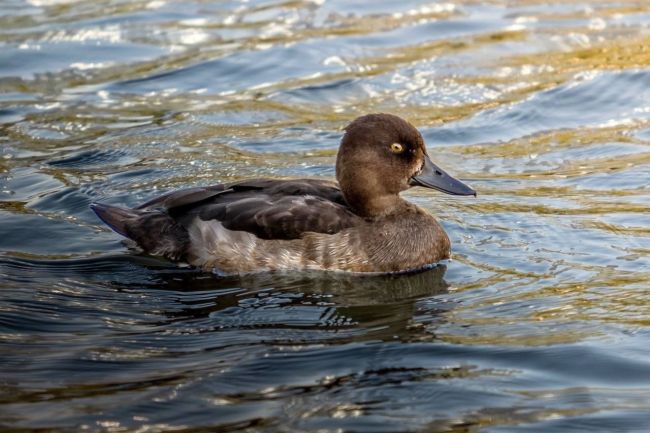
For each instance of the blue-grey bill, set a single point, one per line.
(432, 176)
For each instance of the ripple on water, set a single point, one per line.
(25, 183)
(240, 71)
(95, 159)
(589, 100)
(51, 236)
(30, 61)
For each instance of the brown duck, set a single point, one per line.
(360, 224)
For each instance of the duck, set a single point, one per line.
(358, 223)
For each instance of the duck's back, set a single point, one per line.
(267, 208)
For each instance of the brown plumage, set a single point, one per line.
(359, 224)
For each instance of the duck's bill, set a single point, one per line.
(432, 176)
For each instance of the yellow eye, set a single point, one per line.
(396, 148)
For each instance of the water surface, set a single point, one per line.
(541, 322)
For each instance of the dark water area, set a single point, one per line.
(540, 323)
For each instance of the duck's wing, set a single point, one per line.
(268, 208)
(183, 197)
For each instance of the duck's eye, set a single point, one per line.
(396, 148)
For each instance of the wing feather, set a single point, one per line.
(268, 208)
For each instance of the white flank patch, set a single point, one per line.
(212, 243)
(228, 251)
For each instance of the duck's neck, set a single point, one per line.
(366, 190)
(373, 206)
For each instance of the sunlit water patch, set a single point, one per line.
(592, 100)
(538, 323)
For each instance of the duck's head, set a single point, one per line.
(382, 155)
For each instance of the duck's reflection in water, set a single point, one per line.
(369, 307)
(334, 305)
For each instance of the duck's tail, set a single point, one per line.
(113, 216)
(154, 231)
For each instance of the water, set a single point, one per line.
(540, 323)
